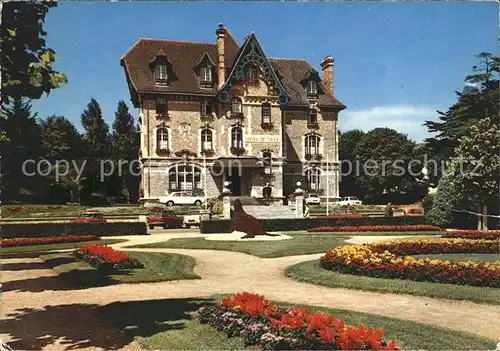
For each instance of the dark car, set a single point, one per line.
(165, 218)
(90, 217)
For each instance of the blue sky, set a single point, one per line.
(395, 63)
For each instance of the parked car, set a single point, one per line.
(160, 217)
(193, 218)
(181, 198)
(90, 217)
(349, 200)
(312, 199)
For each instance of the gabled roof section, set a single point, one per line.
(251, 52)
(183, 55)
(205, 58)
(293, 72)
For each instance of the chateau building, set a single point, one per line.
(216, 112)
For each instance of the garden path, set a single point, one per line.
(47, 305)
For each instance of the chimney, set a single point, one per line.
(327, 67)
(221, 70)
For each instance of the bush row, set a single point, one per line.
(474, 234)
(285, 224)
(46, 240)
(26, 230)
(259, 322)
(379, 228)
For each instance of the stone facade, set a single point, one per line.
(174, 130)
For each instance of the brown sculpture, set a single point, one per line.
(243, 222)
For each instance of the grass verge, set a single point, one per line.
(49, 247)
(171, 325)
(299, 245)
(158, 267)
(463, 257)
(312, 272)
(419, 234)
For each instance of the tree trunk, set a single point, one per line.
(479, 218)
(485, 217)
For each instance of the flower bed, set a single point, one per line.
(378, 228)
(474, 234)
(342, 215)
(47, 240)
(390, 260)
(105, 257)
(259, 322)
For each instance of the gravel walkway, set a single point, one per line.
(38, 310)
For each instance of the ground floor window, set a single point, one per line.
(184, 177)
(312, 179)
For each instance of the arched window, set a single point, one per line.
(161, 75)
(312, 145)
(312, 180)
(162, 138)
(206, 139)
(267, 161)
(236, 108)
(237, 137)
(266, 113)
(184, 177)
(251, 74)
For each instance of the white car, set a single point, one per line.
(181, 198)
(313, 199)
(193, 218)
(349, 200)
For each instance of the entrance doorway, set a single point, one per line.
(234, 180)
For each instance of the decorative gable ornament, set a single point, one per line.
(251, 53)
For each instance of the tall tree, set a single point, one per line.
(27, 64)
(347, 146)
(124, 134)
(23, 134)
(96, 131)
(478, 100)
(60, 139)
(476, 167)
(386, 173)
(98, 145)
(125, 147)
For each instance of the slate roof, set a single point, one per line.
(185, 55)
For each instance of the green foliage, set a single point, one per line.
(96, 130)
(385, 157)
(472, 105)
(347, 146)
(27, 70)
(60, 139)
(427, 203)
(124, 139)
(215, 205)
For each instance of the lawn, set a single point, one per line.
(157, 267)
(303, 243)
(49, 247)
(312, 272)
(463, 257)
(299, 245)
(41, 210)
(171, 325)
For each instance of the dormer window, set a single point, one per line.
(206, 76)
(312, 88)
(161, 74)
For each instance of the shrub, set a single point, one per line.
(259, 322)
(20, 230)
(105, 257)
(378, 228)
(284, 224)
(96, 199)
(46, 240)
(474, 234)
(390, 260)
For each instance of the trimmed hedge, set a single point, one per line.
(286, 224)
(31, 230)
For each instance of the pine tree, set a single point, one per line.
(96, 131)
(60, 139)
(22, 140)
(124, 134)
